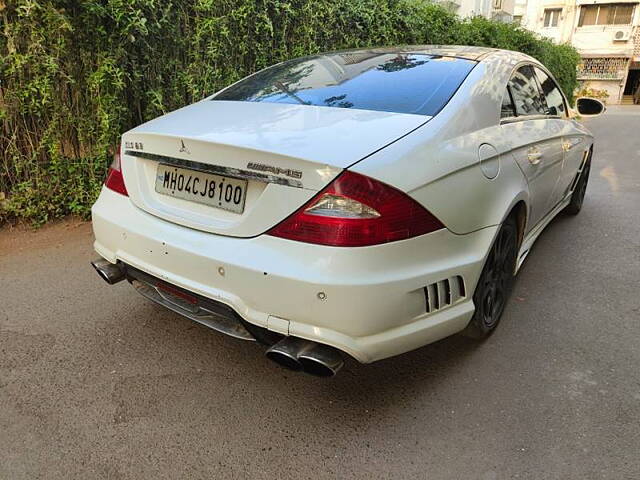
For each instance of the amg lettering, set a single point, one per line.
(277, 170)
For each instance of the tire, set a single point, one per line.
(577, 197)
(495, 282)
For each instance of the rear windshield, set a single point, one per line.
(387, 82)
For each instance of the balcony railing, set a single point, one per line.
(602, 68)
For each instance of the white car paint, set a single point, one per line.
(366, 301)
(318, 141)
(374, 304)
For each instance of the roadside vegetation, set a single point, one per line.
(76, 74)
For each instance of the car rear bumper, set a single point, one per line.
(369, 302)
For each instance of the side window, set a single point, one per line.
(552, 94)
(525, 93)
(507, 109)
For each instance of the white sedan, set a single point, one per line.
(365, 202)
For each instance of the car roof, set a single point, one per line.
(457, 51)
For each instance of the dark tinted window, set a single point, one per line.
(389, 82)
(525, 93)
(507, 109)
(552, 94)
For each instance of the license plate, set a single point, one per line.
(200, 187)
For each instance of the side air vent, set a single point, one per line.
(444, 293)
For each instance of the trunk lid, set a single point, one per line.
(286, 153)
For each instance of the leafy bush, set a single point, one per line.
(561, 60)
(584, 91)
(77, 73)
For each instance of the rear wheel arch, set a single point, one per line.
(519, 210)
(496, 280)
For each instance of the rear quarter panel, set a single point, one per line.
(439, 163)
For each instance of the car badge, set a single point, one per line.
(183, 148)
(289, 172)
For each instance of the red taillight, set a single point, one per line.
(115, 180)
(356, 211)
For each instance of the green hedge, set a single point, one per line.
(74, 74)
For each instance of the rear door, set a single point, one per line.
(536, 140)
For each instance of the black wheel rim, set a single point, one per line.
(497, 278)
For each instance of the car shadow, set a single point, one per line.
(423, 364)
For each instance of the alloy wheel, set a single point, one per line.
(495, 283)
(497, 278)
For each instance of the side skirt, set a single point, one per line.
(535, 232)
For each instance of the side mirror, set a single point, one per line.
(589, 107)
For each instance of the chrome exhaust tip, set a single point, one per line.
(321, 360)
(285, 353)
(313, 358)
(110, 272)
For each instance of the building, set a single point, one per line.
(495, 9)
(606, 34)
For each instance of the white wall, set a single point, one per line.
(614, 88)
(485, 8)
(590, 41)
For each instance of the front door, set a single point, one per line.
(572, 141)
(536, 142)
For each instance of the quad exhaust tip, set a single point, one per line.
(110, 272)
(294, 353)
(298, 354)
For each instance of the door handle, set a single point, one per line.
(569, 144)
(534, 157)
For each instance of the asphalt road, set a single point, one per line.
(96, 382)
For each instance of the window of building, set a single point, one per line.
(606, 14)
(517, 19)
(552, 16)
(603, 68)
